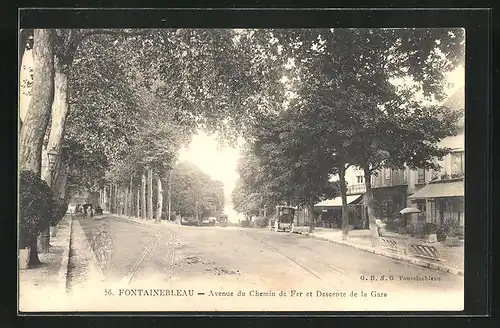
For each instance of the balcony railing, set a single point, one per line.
(356, 189)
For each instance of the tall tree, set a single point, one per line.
(290, 151)
(194, 192)
(352, 71)
(38, 115)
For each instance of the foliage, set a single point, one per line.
(253, 190)
(430, 228)
(191, 221)
(295, 161)
(58, 210)
(246, 201)
(87, 167)
(137, 97)
(450, 227)
(194, 192)
(259, 222)
(35, 205)
(441, 233)
(349, 75)
(245, 223)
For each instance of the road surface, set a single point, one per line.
(167, 267)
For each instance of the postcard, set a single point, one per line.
(241, 169)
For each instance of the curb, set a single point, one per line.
(92, 253)
(126, 219)
(63, 270)
(402, 258)
(142, 222)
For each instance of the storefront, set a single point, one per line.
(442, 200)
(331, 212)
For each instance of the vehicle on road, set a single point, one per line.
(189, 221)
(283, 219)
(223, 220)
(208, 222)
(98, 210)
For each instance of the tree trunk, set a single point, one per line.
(160, 200)
(170, 195)
(101, 197)
(59, 111)
(44, 236)
(312, 221)
(38, 114)
(138, 204)
(343, 193)
(150, 194)
(130, 204)
(60, 180)
(122, 200)
(371, 207)
(44, 240)
(62, 186)
(34, 260)
(119, 200)
(143, 197)
(125, 205)
(111, 201)
(105, 206)
(111, 198)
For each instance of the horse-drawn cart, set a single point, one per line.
(283, 219)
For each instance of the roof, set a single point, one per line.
(456, 142)
(457, 100)
(440, 189)
(337, 201)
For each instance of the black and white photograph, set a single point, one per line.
(241, 169)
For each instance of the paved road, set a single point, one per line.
(215, 260)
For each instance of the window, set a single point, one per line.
(387, 174)
(360, 178)
(420, 175)
(457, 163)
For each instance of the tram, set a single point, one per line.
(283, 218)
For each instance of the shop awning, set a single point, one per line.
(337, 201)
(440, 189)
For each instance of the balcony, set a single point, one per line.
(356, 189)
(458, 175)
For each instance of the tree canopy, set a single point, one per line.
(194, 192)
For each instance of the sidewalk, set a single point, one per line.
(47, 280)
(360, 239)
